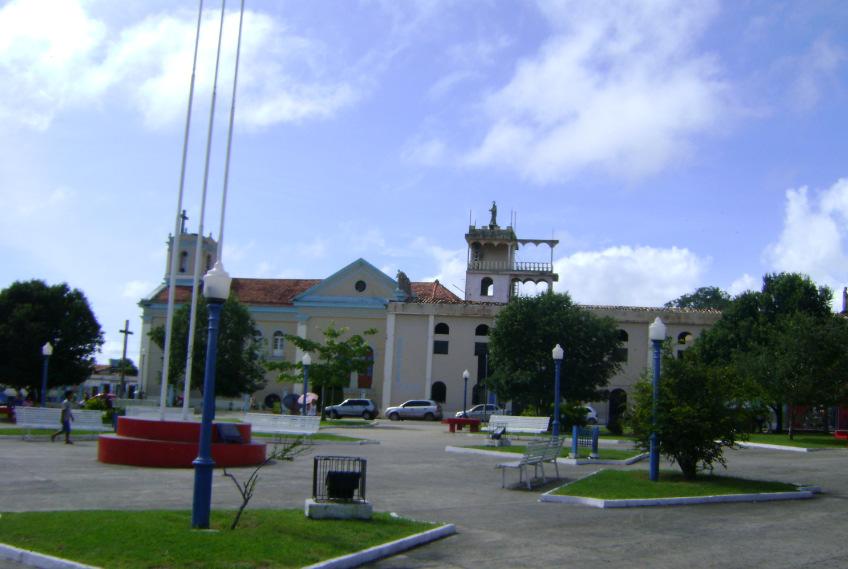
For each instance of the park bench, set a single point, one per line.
(147, 412)
(536, 454)
(272, 424)
(515, 424)
(29, 418)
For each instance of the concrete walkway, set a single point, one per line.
(410, 473)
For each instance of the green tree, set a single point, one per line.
(520, 345)
(766, 337)
(697, 413)
(33, 313)
(334, 359)
(703, 298)
(239, 358)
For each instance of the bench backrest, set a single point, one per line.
(534, 452)
(35, 417)
(283, 424)
(552, 449)
(89, 420)
(518, 424)
(146, 412)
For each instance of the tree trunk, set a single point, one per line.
(688, 466)
(778, 416)
(791, 422)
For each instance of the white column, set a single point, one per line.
(388, 361)
(428, 374)
(302, 333)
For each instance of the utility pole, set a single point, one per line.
(126, 332)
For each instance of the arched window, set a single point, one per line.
(442, 328)
(487, 287)
(621, 352)
(278, 343)
(623, 336)
(684, 338)
(438, 392)
(183, 261)
(363, 380)
(481, 330)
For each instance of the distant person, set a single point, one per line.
(67, 417)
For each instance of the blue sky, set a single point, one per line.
(667, 145)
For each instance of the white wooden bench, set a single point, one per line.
(29, 418)
(171, 413)
(536, 454)
(515, 424)
(268, 423)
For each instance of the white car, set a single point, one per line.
(591, 415)
(480, 411)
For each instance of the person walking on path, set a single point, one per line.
(67, 417)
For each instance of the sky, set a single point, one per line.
(666, 145)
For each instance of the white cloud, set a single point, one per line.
(618, 86)
(814, 235)
(632, 276)
(744, 283)
(135, 290)
(59, 56)
(450, 265)
(815, 71)
(427, 152)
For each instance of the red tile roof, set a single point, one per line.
(281, 292)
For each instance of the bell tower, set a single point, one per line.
(493, 273)
(187, 250)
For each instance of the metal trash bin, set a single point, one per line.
(338, 479)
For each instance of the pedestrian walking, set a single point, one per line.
(67, 417)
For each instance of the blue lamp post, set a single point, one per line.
(465, 394)
(558, 353)
(46, 351)
(307, 361)
(216, 289)
(656, 332)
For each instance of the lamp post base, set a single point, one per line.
(202, 493)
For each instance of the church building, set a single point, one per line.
(426, 335)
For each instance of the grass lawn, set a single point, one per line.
(634, 484)
(164, 539)
(805, 440)
(605, 453)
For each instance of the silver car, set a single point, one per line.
(481, 412)
(364, 408)
(415, 409)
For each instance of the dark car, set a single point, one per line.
(364, 408)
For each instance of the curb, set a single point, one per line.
(40, 560)
(783, 447)
(640, 503)
(568, 461)
(385, 550)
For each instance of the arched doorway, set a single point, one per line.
(617, 408)
(438, 392)
(363, 380)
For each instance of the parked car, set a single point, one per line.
(415, 409)
(481, 411)
(364, 408)
(591, 415)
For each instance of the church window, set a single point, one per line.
(621, 352)
(487, 287)
(684, 338)
(208, 262)
(440, 347)
(279, 343)
(183, 261)
(442, 328)
(481, 330)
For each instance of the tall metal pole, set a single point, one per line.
(175, 246)
(557, 366)
(655, 385)
(305, 385)
(204, 464)
(44, 381)
(465, 394)
(198, 249)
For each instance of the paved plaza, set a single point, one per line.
(410, 473)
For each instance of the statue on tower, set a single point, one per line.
(404, 286)
(493, 223)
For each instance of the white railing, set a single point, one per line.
(525, 266)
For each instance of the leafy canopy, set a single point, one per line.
(33, 313)
(703, 298)
(520, 345)
(239, 365)
(333, 360)
(697, 414)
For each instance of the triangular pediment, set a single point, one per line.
(359, 284)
